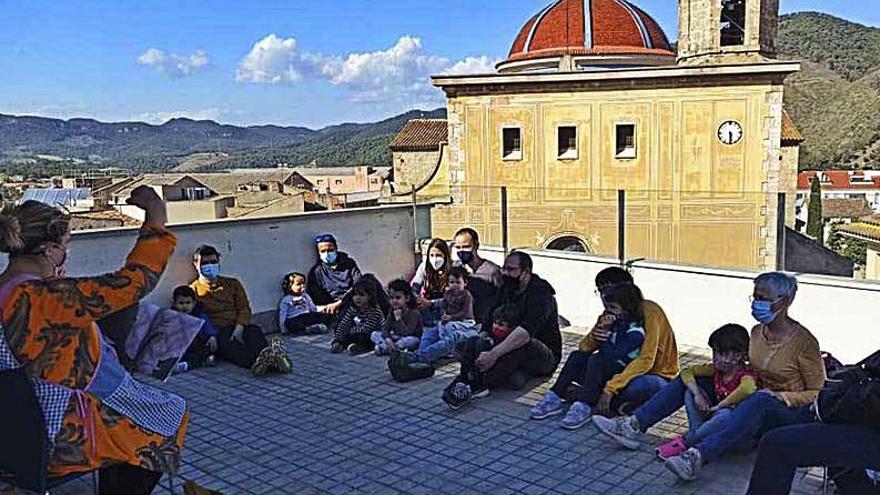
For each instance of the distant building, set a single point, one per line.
(101, 219)
(209, 196)
(345, 180)
(842, 184)
(868, 230)
(70, 199)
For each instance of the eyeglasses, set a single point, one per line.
(753, 299)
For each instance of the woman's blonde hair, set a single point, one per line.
(28, 227)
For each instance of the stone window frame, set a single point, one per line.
(626, 154)
(514, 155)
(569, 154)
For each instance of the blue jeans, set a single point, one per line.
(698, 426)
(752, 418)
(440, 341)
(816, 444)
(641, 389)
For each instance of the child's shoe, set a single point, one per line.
(336, 347)
(687, 465)
(578, 415)
(625, 430)
(211, 361)
(549, 406)
(181, 367)
(381, 350)
(671, 448)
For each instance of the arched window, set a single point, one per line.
(568, 243)
(733, 22)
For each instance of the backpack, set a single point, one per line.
(852, 395)
(404, 370)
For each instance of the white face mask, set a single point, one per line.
(437, 261)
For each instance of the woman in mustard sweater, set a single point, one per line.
(785, 356)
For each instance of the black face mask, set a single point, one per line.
(510, 284)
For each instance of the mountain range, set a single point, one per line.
(835, 101)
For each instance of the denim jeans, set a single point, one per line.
(752, 418)
(640, 389)
(440, 341)
(408, 343)
(783, 450)
(589, 370)
(699, 427)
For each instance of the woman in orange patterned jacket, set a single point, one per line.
(96, 415)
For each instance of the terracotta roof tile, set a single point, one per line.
(862, 230)
(612, 27)
(845, 208)
(791, 136)
(421, 135)
(839, 179)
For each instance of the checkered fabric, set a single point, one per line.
(7, 360)
(148, 407)
(54, 400)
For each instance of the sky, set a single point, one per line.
(287, 62)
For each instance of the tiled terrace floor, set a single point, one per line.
(340, 424)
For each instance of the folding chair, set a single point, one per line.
(24, 452)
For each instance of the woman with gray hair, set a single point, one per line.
(790, 369)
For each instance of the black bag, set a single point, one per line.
(852, 395)
(404, 370)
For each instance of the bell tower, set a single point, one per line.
(727, 31)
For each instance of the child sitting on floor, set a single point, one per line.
(201, 350)
(297, 314)
(403, 327)
(620, 332)
(713, 390)
(359, 320)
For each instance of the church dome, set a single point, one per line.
(589, 33)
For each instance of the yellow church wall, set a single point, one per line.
(691, 198)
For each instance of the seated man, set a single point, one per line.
(330, 280)
(226, 305)
(484, 282)
(533, 348)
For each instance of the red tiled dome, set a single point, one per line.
(593, 32)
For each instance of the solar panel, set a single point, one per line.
(57, 196)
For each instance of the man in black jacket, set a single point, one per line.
(533, 348)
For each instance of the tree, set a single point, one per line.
(815, 222)
(854, 249)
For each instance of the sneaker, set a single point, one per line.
(211, 361)
(263, 362)
(625, 430)
(479, 391)
(457, 395)
(336, 347)
(181, 367)
(687, 465)
(317, 329)
(549, 406)
(578, 415)
(380, 350)
(671, 448)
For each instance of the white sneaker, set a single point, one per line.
(687, 465)
(625, 430)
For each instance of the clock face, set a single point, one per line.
(730, 132)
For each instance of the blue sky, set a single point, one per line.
(293, 62)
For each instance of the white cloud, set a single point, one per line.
(172, 64)
(473, 65)
(399, 74)
(272, 60)
(160, 117)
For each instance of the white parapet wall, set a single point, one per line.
(260, 251)
(844, 315)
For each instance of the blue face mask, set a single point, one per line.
(763, 312)
(329, 257)
(210, 271)
(466, 257)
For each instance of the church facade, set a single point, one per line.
(593, 99)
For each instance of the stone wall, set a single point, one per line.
(413, 168)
